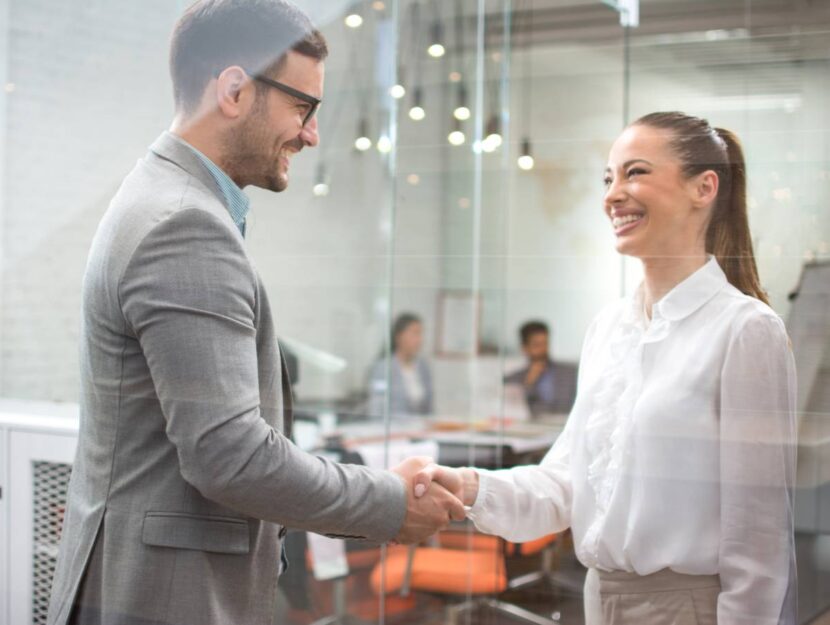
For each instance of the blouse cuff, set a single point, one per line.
(479, 505)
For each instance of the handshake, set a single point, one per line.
(435, 496)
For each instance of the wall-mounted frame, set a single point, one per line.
(459, 320)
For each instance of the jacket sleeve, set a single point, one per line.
(189, 296)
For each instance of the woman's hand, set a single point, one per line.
(462, 482)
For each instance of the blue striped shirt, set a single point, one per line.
(237, 202)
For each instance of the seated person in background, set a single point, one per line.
(549, 387)
(410, 380)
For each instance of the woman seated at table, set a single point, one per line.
(410, 380)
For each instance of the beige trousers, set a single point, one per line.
(662, 598)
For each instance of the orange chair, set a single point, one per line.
(546, 545)
(361, 608)
(475, 567)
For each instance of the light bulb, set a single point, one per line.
(492, 139)
(354, 20)
(495, 139)
(363, 142)
(397, 91)
(321, 186)
(456, 137)
(417, 112)
(526, 162)
(491, 143)
(462, 113)
(436, 50)
(384, 144)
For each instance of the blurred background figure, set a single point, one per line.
(549, 387)
(410, 379)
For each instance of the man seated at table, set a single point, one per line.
(549, 386)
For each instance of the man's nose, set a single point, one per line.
(309, 135)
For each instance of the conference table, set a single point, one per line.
(486, 443)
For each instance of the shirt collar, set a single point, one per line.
(688, 296)
(236, 201)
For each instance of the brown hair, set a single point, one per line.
(212, 35)
(700, 147)
(530, 328)
(401, 324)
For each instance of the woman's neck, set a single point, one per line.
(662, 274)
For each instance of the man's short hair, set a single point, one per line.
(530, 328)
(256, 34)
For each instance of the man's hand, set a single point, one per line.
(430, 512)
(463, 482)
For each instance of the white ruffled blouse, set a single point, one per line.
(679, 451)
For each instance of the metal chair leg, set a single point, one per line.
(340, 616)
(519, 613)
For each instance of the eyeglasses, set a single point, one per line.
(314, 103)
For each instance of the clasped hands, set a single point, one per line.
(435, 496)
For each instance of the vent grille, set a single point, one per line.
(51, 480)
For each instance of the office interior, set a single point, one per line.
(458, 180)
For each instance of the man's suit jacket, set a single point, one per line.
(183, 481)
(553, 392)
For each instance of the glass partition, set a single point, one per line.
(762, 72)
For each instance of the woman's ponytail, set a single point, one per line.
(728, 237)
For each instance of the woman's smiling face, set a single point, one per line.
(654, 209)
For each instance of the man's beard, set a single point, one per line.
(251, 154)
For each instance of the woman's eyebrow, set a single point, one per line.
(628, 164)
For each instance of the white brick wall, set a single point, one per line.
(92, 93)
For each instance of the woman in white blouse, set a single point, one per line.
(676, 467)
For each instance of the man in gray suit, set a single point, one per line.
(184, 480)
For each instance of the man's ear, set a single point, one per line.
(234, 92)
(704, 188)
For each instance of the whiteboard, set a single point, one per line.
(809, 328)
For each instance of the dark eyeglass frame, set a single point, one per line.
(295, 93)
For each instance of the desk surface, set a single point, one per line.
(519, 437)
